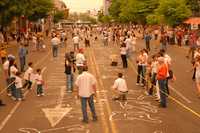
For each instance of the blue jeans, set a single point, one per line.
(55, 50)
(22, 63)
(18, 93)
(69, 82)
(144, 73)
(39, 89)
(163, 92)
(12, 87)
(90, 101)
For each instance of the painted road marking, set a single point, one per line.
(55, 115)
(97, 71)
(71, 128)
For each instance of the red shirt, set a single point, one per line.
(162, 72)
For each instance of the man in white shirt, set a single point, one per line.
(86, 86)
(55, 42)
(80, 61)
(76, 42)
(121, 86)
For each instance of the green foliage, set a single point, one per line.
(194, 5)
(59, 15)
(171, 12)
(174, 11)
(132, 10)
(104, 18)
(31, 9)
(153, 19)
(39, 9)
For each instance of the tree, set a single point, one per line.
(173, 11)
(132, 10)
(31, 9)
(58, 16)
(39, 9)
(194, 5)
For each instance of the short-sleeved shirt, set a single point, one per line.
(38, 78)
(29, 72)
(120, 85)
(18, 82)
(76, 40)
(13, 71)
(55, 41)
(80, 59)
(85, 83)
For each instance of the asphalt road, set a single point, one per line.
(59, 111)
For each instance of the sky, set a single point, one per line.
(83, 5)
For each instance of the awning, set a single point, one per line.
(194, 20)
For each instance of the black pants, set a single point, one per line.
(124, 61)
(148, 45)
(27, 83)
(140, 74)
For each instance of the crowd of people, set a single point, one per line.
(154, 65)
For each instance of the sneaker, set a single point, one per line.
(38, 95)
(42, 94)
(142, 84)
(9, 94)
(19, 99)
(13, 98)
(137, 84)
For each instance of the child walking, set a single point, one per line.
(39, 82)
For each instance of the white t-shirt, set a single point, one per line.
(29, 72)
(38, 79)
(76, 40)
(13, 71)
(120, 85)
(85, 83)
(80, 59)
(18, 82)
(55, 41)
(128, 42)
(123, 50)
(145, 59)
(168, 59)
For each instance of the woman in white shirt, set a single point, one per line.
(123, 52)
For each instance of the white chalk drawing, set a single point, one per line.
(131, 115)
(136, 109)
(69, 129)
(157, 132)
(56, 114)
